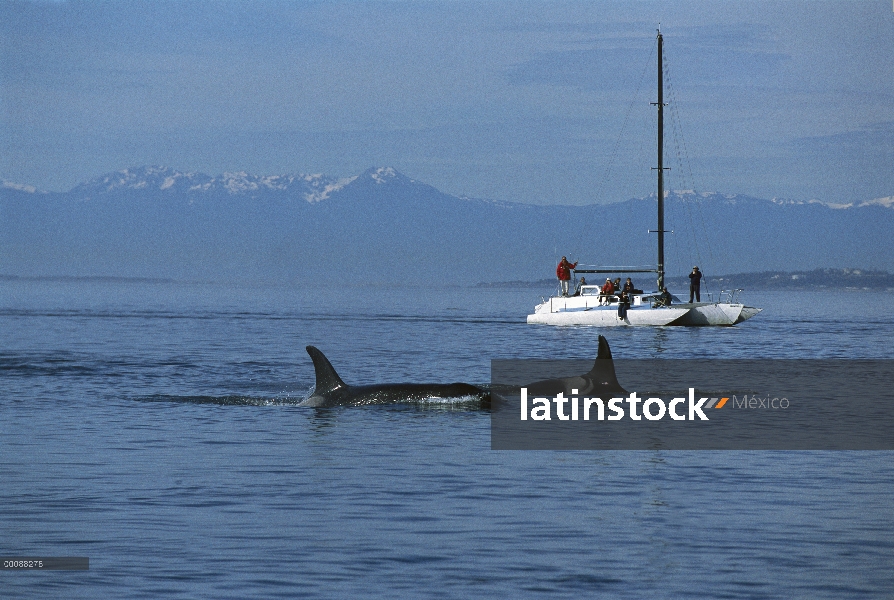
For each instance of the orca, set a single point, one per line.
(599, 381)
(330, 390)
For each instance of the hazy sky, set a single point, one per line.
(532, 102)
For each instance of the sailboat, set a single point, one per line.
(590, 307)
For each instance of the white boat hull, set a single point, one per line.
(589, 310)
(715, 314)
(586, 310)
(747, 313)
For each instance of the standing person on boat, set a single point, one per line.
(623, 305)
(695, 284)
(563, 272)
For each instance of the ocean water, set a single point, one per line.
(153, 428)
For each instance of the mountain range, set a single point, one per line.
(383, 227)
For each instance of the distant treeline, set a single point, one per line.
(765, 280)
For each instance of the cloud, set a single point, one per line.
(871, 138)
(697, 55)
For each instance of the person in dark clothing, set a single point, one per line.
(623, 305)
(665, 298)
(628, 287)
(695, 284)
(577, 290)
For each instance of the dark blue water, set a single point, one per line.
(153, 428)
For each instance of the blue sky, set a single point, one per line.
(531, 102)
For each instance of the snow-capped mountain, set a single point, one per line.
(309, 187)
(9, 185)
(697, 197)
(383, 226)
(312, 188)
(318, 187)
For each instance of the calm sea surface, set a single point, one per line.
(153, 429)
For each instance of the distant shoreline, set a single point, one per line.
(87, 278)
(818, 279)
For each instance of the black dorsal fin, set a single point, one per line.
(327, 378)
(603, 371)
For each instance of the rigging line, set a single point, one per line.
(686, 205)
(604, 182)
(633, 102)
(686, 185)
(676, 253)
(675, 127)
(686, 168)
(687, 163)
(698, 210)
(679, 255)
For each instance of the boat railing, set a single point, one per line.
(731, 296)
(585, 290)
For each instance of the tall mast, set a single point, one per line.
(660, 163)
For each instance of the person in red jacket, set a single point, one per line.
(607, 291)
(563, 272)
